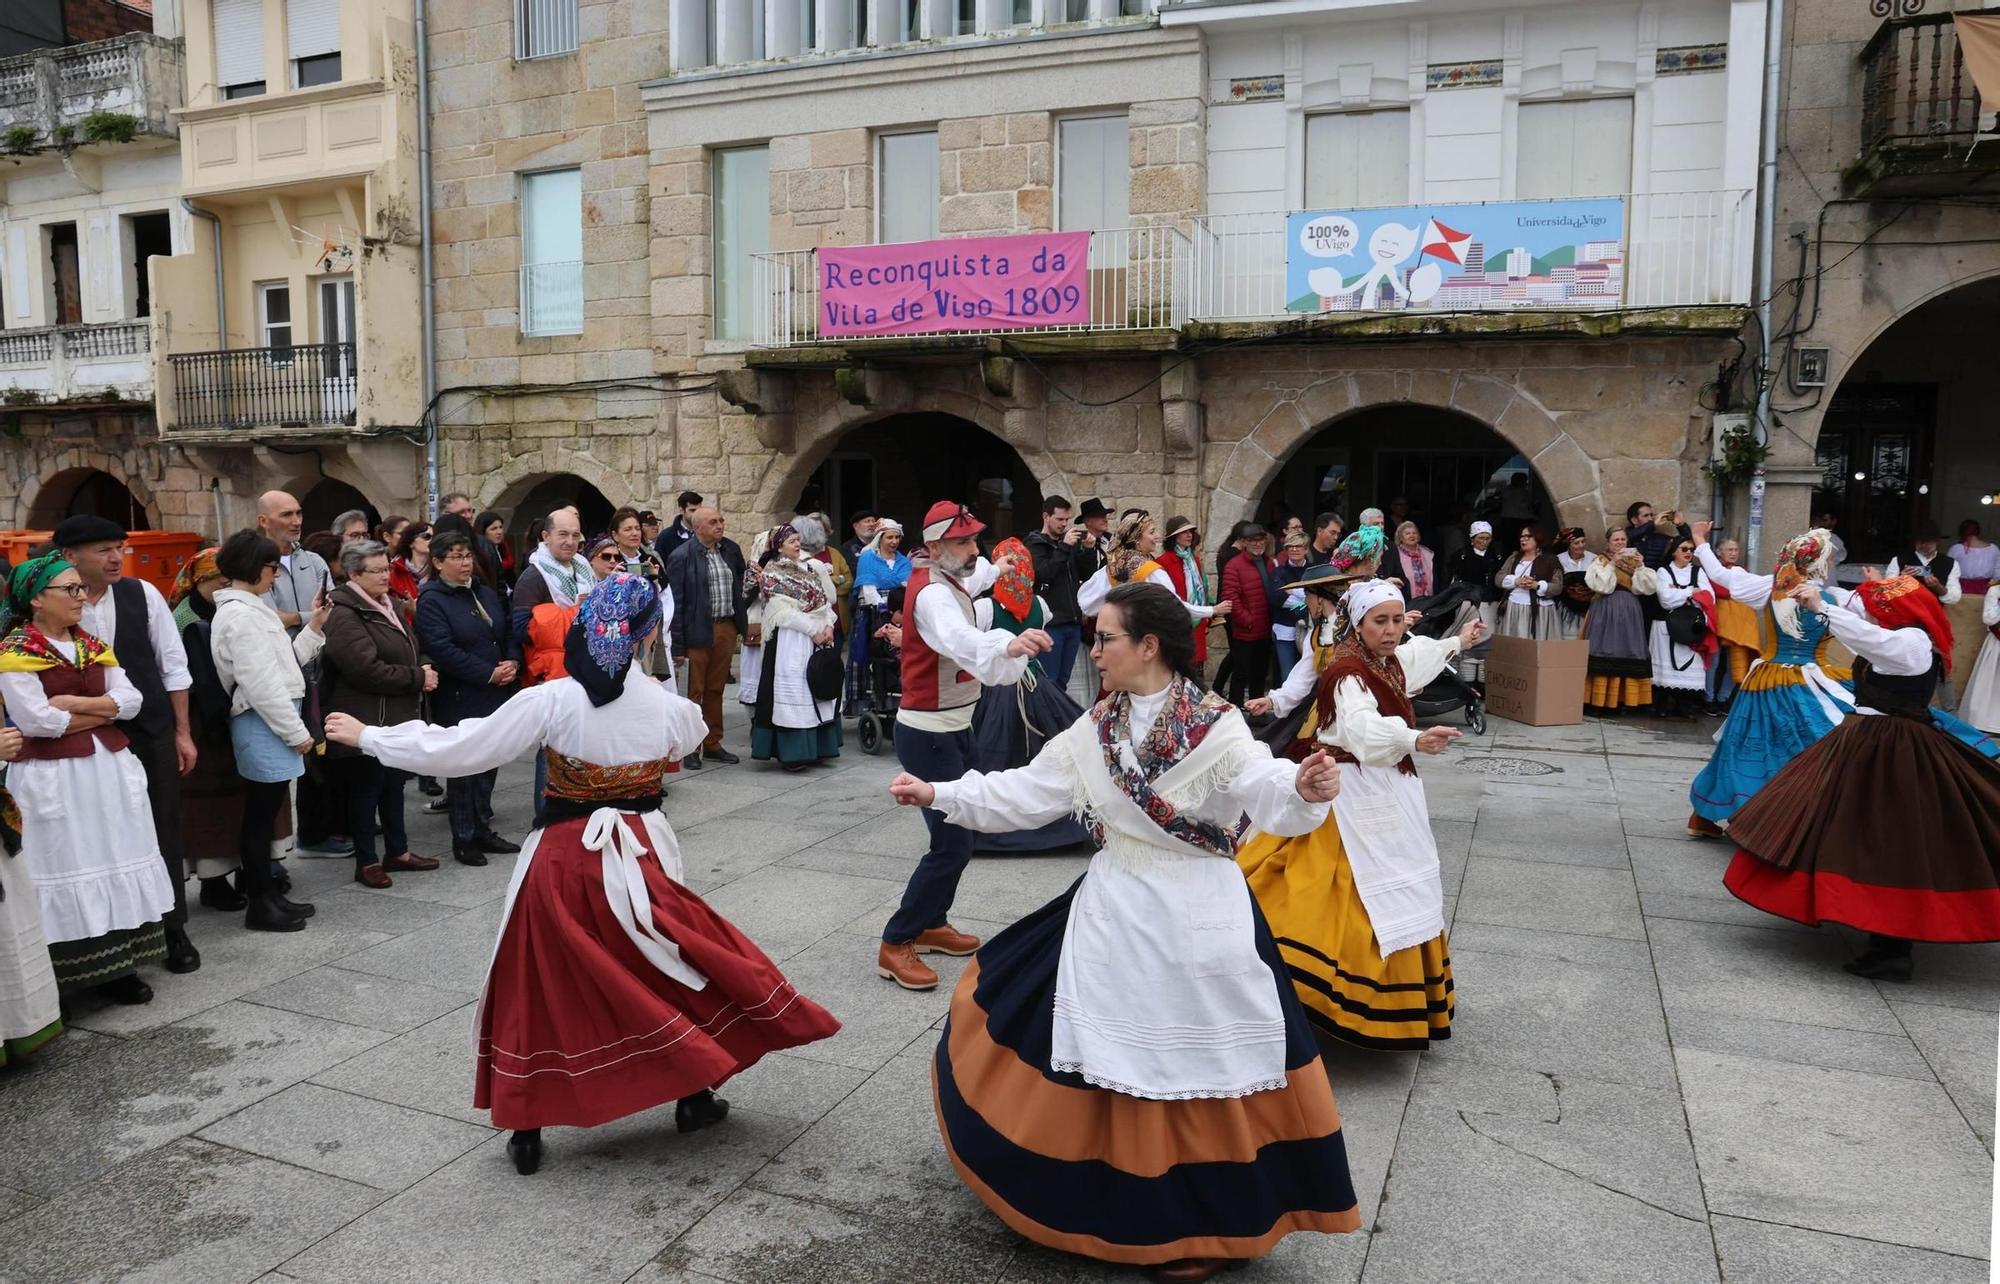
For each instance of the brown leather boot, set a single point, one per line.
(899, 963)
(1193, 1270)
(1702, 827)
(946, 940)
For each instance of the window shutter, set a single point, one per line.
(239, 41)
(552, 216)
(313, 27)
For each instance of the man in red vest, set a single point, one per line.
(946, 657)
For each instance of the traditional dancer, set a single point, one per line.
(1620, 668)
(946, 658)
(1126, 1074)
(1013, 720)
(1791, 696)
(614, 988)
(1891, 822)
(86, 829)
(1295, 732)
(1357, 905)
(1981, 704)
(1681, 655)
(30, 1011)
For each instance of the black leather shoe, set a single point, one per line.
(217, 894)
(704, 1109)
(280, 880)
(128, 990)
(494, 845)
(182, 956)
(297, 909)
(1877, 966)
(525, 1147)
(724, 757)
(430, 786)
(692, 762)
(264, 914)
(467, 854)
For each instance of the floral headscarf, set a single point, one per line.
(1124, 561)
(186, 602)
(619, 610)
(1899, 602)
(1803, 558)
(1364, 544)
(1014, 591)
(26, 584)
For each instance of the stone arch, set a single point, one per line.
(822, 436)
(88, 483)
(1845, 355)
(530, 497)
(329, 497)
(1566, 470)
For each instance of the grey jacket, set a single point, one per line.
(298, 585)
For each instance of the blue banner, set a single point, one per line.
(1503, 256)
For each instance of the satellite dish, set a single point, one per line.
(1425, 283)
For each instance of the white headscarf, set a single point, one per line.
(1369, 594)
(1479, 528)
(883, 527)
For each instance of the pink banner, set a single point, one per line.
(973, 283)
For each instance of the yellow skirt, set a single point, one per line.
(1306, 888)
(1606, 692)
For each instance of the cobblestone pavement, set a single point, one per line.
(1647, 1081)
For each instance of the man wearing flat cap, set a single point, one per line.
(946, 659)
(133, 619)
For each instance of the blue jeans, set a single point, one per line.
(471, 802)
(932, 756)
(1721, 682)
(1061, 661)
(1288, 658)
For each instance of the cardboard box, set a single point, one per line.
(1537, 683)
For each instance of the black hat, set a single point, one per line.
(861, 515)
(1251, 531)
(1927, 530)
(86, 528)
(1093, 507)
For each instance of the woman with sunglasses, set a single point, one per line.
(86, 828)
(260, 667)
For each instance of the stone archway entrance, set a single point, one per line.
(75, 491)
(1907, 435)
(1445, 467)
(542, 494)
(899, 466)
(328, 499)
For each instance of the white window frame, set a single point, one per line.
(720, 265)
(265, 289)
(881, 170)
(1079, 118)
(527, 314)
(226, 42)
(563, 12)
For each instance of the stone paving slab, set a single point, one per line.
(1611, 991)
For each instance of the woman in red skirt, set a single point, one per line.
(614, 988)
(1891, 821)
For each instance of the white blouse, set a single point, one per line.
(28, 706)
(1677, 585)
(1359, 725)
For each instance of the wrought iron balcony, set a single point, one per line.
(1923, 130)
(104, 92)
(306, 386)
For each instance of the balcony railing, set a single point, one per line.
(53, 91)
(552, 298)
(78, 362)
(1137, 280)
(1682, 249)
(300, 387)
(1923, 130)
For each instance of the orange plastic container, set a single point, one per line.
(156, 556)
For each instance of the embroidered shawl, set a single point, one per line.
(28, 650)
(1135, 763)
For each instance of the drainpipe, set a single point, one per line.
(221, 314)
(1767, 225)
(221, 526)
(424, 249)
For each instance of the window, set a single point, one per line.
(967, 20)
(146, 236)
(1094, 174)
(544, 27)
(1578, 148)
(552, 252)
(1023, 13)
(312, 39)
(1076, 10)
(1357, 159)
(906, 187)
(274, 319)
(742, 222)
(65, 275)
(239, 47)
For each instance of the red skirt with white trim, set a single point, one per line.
(578, 1028)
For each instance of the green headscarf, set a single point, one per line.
(26, 584)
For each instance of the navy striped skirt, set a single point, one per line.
(1118, 1178)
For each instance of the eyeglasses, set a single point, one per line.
(1097, 642)
(273, 566)
(74, 590)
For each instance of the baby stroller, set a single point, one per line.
(1443, 614)
(881, 666)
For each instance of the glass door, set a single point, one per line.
(338, 375)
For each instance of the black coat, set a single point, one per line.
(694, 615)
(464, 649)
(1060, 570)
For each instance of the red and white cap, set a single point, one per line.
(948, 519)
